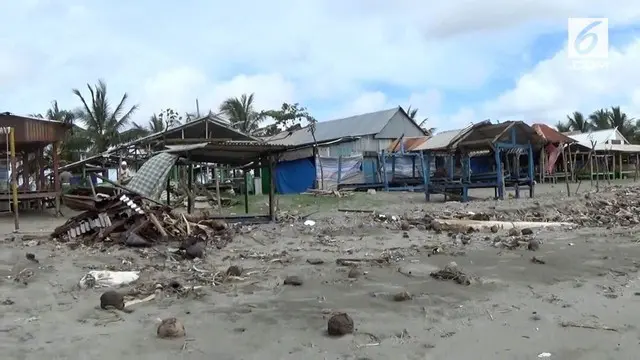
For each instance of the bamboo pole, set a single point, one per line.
(566, 170)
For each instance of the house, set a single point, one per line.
(349, 139)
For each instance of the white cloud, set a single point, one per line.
(338, 57)
(554, 89)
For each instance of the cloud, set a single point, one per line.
(456, 61)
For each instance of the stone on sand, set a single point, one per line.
(234, 270)
(354, 273)
(340, 324)
(293, 280)
(171, 328)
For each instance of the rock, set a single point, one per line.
(218, 225)
(404, 225)
(405, 235)
(32, 257)
(112, 300)
(514, 232)
(195, 251)
(354, 273)
(466, 239)
(371, 191)
(402, 296)
(527, 231)
(534, 245)
(171, 328)
(293, 280)
(340, 324)
(435, 225)
(495, 229)
(480, 217)
(315, 261)
(234, 270)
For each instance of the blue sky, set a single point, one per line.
(458, 62)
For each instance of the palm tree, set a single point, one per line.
(75, 142)
(104, 123)
(563, 126)
(577, 122)
(600, 119)
(242, 114)
(620, 120)
(413, 114)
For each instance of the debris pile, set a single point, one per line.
(129, 220)
(452, 272)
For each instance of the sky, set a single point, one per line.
(458, 61)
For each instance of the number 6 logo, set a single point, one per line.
(588, 37)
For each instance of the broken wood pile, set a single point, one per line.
(128, 220)
(321, 192)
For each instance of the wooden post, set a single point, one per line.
(219, 201)
(25, 171)
(590, 159)
(190, 188)
(542, 155)
(272, 190)
(14, 178)
(635, 175)
(566, 170)
(246, 191)
(56, 175)
(620, 164)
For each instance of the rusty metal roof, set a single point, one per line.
(30, 130)
(408, 143)
(551, 135)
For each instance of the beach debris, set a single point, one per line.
(514, 232)
(536, 260)
(315, 261)
(111, 299)
(452, 272)
(544, 355)
(24, 276)
(171, 328)
(587, 326)
(402, 296)
(340, 324)
(494, 228)
(309, 223)
(293, 280)
(404, 225)
(234, 270)
(354, 273)
(106, 278)
(32, 257)
(527, 231)
(533, 245)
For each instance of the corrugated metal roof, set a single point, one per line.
(442, 139)
(359, 125)
(551, 135)
(600, 137)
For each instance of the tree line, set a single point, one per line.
(105, 126)
(602, 119)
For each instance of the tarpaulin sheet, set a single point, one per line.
(350, 171)
(295, 177)
(553, 152)
(404, 167)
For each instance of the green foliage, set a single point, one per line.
(242, 114)
(104, 123)
(602, 119)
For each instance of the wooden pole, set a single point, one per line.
(566, 170)
(218, 200)
(14, 178)
(246, 191)
(272, 190)
(635, 176)
(56, 175)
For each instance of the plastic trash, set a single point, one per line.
(544, 355)
(105, 278)
(309, 222)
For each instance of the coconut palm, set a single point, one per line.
(104, 123)
(413, 114)
(157, 123)
(242, 114)
(620, 120)
(577, 122)
(75, 142)
(563, 126)
(600, 119)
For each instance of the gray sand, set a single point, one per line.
(513, 309)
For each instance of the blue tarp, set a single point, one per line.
(295, 177)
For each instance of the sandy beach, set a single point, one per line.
(573, 298)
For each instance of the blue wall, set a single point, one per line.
(295, 177)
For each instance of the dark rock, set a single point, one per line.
(534, 245)
(112, 300)
(436, 226)
(402, 296)
(195, 251)
(527, 231)
(354, 273)
(405, 235)
(480, 217)
(514, 232)
(293, 280)
(340, 324)
(495, 229)
(171, 328)
(234, 270)
(404, 225)
(315, 261)
(466, 239)
(32, 257)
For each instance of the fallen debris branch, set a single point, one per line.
(587, 326)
